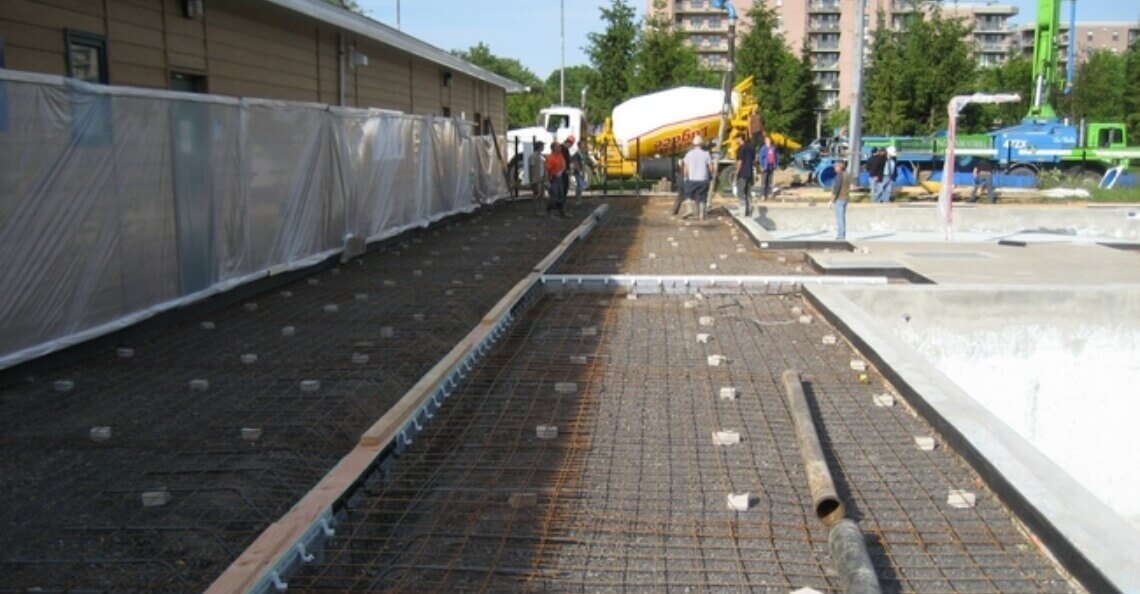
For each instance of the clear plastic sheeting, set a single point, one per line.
(117, 203)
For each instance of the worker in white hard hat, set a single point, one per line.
(697, 171)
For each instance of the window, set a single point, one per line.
(187, 83)
(86, 56)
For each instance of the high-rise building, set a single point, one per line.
(827, 29)
(1114, 37)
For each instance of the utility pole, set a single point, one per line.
(397, 15)
(855, 125)
(562, 71)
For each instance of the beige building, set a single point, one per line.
(297, 50)
(827, 28)
(1114, 37)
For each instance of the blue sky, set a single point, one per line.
(528, 30)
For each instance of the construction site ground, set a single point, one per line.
(621, 489)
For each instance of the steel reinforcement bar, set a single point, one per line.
(298, 537)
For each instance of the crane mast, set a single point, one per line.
(1045, 58)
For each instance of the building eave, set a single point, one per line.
(377, 31)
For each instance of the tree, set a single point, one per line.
(785, 87)
(918, 71)
(663, 60)
(1132, 92)
(577, 78)
(1015, 75)
(884, 98)
(611, 55)
(1098, 91)
(522, 108)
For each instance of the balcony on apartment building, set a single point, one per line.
(820, 25)
(823, 6)
(824, 45)
(991, 47)
(695, 7)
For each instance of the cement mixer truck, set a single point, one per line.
(645, 133)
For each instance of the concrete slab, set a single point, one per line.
(971, 223)
(988, 263)
(1034, 383)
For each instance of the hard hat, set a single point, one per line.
(891, 151)
(570, 139)
(698, 141)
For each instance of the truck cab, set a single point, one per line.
(554, 123)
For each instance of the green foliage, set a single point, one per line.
(836, 118)
(1132, 93)
(522, 108)
(577, 77)
(663, 60)
(784, 83)
(1013, 76)
(914, 73)
(1098, 91)
(885, 99)
(611, 54)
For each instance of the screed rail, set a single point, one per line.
(296, 539)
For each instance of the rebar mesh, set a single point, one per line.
(631, 493)
(72, 507)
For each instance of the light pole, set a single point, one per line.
(562, 70)
(855, 125)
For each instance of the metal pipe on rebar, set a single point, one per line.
(828, 508)
(844, 538)
(852, 562)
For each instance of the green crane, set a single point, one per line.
(1045, 58)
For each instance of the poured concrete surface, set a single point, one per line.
(1051, 363)
(971, 223)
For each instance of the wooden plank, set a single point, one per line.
(241, 575)
(185, 45)
(149, 16)
(131, 54)
(33, 60)
(243, 47)
(31, 37)
(77, 6)
(253, 74)
(186, 62)
(32, 13)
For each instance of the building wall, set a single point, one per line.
(1113, 37)
(240, 48)
(816, 24)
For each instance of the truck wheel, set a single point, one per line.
(1023, 170)
(514, 172)
(726, 180)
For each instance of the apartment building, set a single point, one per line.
(827, 29)
(1115, 37)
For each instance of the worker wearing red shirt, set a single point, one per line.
(555, 166)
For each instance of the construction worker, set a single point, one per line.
(697, 169)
